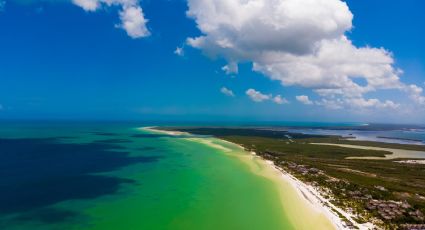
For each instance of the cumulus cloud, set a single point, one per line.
(357, 104)
(87, 5)
(257, 96)
(332, 69)
(415, 93)
(331, 104)
(304, 99)
(134, 22)
(227, 92)
(242, 29)
(298, 43)
(131, 14)
(280, 100)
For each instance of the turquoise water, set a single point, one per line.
(103, 175)
(114, 176)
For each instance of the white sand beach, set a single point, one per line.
(319, 203)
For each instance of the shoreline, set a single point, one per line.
(323, 205)
(308, 193)
(315, 199)
(172, 133)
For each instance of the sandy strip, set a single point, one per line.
(204, 141)
(396, 153)
(172, 133)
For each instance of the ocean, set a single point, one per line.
(70, 175)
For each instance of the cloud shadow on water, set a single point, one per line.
(113, 141)
(104, 134)
(37, 173)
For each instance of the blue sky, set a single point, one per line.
(65, 60)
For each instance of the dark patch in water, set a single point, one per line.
(113, 141)
(104, 134)
(66, 137)
(147, 148)
(148, 135)
(48, 215)
(37, 173)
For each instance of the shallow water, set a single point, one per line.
(115, 176)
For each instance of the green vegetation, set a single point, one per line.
(352, 183)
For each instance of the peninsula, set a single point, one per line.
(356, 180)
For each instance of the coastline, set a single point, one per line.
(307, 194)
(172, 133)
(312, 196)
(322, 204)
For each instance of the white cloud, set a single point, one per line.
(332, 68)
(304, 99)
(357, 104)
(134, 22)
(87, 5)
(241, 29)
(372, 103)
(415, 93)
(257, 96)
(296, 42)
(280, 100)
(227, 92)
(331, 104)
(131, 14)
(179, 51)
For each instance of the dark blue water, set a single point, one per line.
(42, 164)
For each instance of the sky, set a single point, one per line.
(213, 60)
